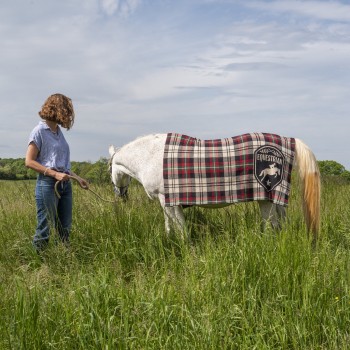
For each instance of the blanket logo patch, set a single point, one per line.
(268, 166)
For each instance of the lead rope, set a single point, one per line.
(76, 179)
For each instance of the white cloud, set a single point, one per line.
(123, 7)
(110, 6)
(327, 10)
(129, 6)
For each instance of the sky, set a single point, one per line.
(205, 68)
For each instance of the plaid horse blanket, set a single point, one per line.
(254, 166)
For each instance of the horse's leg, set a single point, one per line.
(281, 213)
(166, 221)
(167, 212)
(180, 218)
(170, 218)
(174, 219)
(269, 214)
(173, 216)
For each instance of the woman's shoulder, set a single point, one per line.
(41, 126)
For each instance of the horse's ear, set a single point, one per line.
(111, 150)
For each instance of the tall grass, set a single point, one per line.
(123, 284)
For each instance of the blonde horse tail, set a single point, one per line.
(311, 186)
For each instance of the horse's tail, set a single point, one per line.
(311, 185)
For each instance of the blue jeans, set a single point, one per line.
(52, 212)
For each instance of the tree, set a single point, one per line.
(331, 167)
(99, 172)
(346, 175)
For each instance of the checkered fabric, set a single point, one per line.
(225, 170)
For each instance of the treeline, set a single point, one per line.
(14, 169)
(332, 168)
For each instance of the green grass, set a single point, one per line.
(123, 284)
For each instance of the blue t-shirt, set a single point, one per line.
(53, 148)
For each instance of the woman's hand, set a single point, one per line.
(61, 176)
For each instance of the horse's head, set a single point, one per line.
(120, 179)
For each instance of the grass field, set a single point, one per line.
(123, 284)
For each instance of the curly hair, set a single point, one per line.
(58, 108)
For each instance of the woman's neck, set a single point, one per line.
(52, 125)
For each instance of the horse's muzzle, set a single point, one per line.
(121, 192)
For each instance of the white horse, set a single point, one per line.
(142, 159)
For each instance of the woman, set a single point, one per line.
(48, 154)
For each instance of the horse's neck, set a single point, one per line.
(142, 154)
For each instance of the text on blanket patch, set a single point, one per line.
(268, 166)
